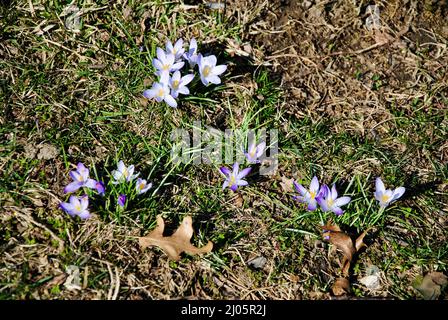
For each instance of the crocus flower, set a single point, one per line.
(192, 54)
(160, 91)
(308, 196)
(81, 179)
(234, 178)
(255, 152)
(179, 85)
(121, 200)
(77, 206)
(100, 188)
(208, 69)
(385, 197)
(329, 201)
(142, 186)
(124, 173)
(177, 50)
(165, 63)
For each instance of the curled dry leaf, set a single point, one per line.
(344, 243)
(287, 184)
(175, 244)
(431, 286)
(340, 287)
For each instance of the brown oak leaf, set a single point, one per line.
(344, 243)
(175, 244)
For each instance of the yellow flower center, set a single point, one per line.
(385, 198)
(125, 173)
(312, 194)
(232, 180)
(330, 202)
(175, 84)
(206, 71)
(165, 66)
(161, 93)
(142, 186)
(78, 207)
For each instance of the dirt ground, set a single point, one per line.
(329, 65)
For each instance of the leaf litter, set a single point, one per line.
(175, 244)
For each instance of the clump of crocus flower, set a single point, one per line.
(168, 87)
(310, 196)
(120, 186)
(386, 197)
(234, 178)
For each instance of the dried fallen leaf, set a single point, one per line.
(287, 184)
(344, 243)
(431, 286)
(175, 244)
(340, 287)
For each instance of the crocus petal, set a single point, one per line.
(84, 202)
(226, 171)
(219, 70)
(243, 173)
(234, 187)
(334, 192)
(378, 195)
(90, 183)
(72, 187)
(183, 90)
(121, 166)
(225, 184)
(314, 185)
(187, 79)
(157, 64)
(398, 193)
(211, 60)
(204, 80)
(379, 185)
(323, 204)
(299, 198)
(260, 149)
(76, 176)
(175, 77)
(170, 101)
(338, 211)
(193, 44)
(342, 201)
(67, 207)
(169, 46)
(236, 167)
(164, 77)
(84, 214)
(312, 205)
(300, 189)
(214, 79)
(161, 55)
(81, 168)
(177, 66)
(149, 93)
